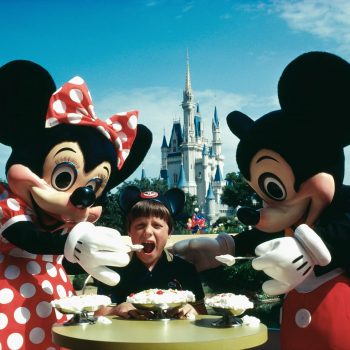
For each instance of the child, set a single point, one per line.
(149, 223)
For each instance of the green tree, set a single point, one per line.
(237, 192)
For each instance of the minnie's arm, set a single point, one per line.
(25, 235)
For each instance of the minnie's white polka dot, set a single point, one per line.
(123, 137)
(91, 109)
(21, 315)
(82, 110)
(132, 122)
(59, 106)
(47, 287)
(117, 126)
(103, 131)
(59, 315)
(63, 274)
(3, 321)
(37, 335)
(12, 272)
(27, 290)
(48, 257)
(49, 348)
(70, 293)
(61, 291)
(15, 341)
(43, 309)
(125, 153)
(76, 95)
(77, 80)
(59, 259)
(74, 118)
(51, 122)
(13, 204)
(6, 296)
(122, 114)
(33, 268)
(51, 270)
(118, 143)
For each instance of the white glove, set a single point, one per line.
(96, 247)
(290, 260)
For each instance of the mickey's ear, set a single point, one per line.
(239, 123)
(139, 149)
(316, 84)
(128, 197)
(25, 90)
(175, 199)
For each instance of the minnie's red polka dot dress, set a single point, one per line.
(28, 283)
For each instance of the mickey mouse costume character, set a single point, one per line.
(293, 158)
(63, 161)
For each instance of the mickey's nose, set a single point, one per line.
(83, 197)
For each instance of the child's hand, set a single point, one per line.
(127, 310)
(184, 312)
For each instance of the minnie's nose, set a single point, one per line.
(83, 197)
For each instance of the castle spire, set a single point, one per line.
(188, 87)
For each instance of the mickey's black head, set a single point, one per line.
(311, 129)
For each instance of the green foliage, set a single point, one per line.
(78, 281)
(237, 192)
(229, 224)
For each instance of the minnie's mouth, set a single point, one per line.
(45, 220)
(148, 247)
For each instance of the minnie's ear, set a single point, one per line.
(25, 90)
(139, 149)
(128, 196)
(239, 123)
(176, 200)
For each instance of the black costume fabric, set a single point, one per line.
(169, 272)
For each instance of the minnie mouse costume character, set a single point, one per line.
(293, 158)
(63, 161)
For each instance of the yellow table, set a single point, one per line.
(158, 335)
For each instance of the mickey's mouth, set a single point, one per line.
(148, 247)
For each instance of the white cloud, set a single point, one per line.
(323, 18)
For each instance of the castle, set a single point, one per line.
(190, 162)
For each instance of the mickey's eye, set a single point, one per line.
(272, 186)
(63, 176)
(95, 184)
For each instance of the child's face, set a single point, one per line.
(152, 233)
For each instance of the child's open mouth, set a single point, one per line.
(148, 247)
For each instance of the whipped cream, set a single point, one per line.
(161, 296)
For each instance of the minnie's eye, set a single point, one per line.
(63, 176)
(272, 186)
(95, 184)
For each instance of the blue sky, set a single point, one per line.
(132, 54)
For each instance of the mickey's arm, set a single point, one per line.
(202, 251)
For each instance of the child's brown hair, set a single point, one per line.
(150, 208)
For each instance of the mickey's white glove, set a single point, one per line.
(96, 247)
(290, 260)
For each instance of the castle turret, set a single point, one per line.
(210, 205)
(216, 135)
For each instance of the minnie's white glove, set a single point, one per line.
(290, 260)
(96, 247)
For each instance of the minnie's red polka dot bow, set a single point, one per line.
(72, 104)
